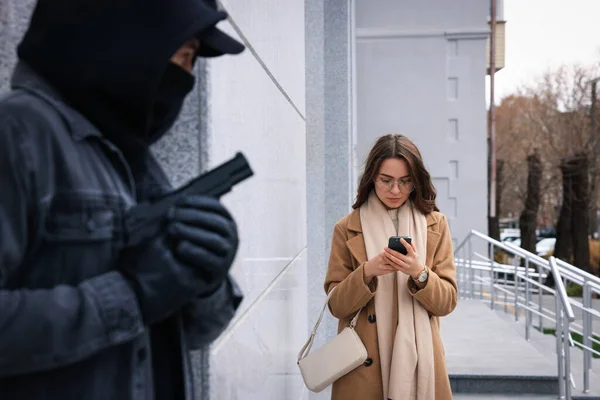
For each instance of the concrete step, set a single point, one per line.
(504, 384)
(485, 355)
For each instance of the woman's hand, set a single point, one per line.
(377, 266)
(408, 264)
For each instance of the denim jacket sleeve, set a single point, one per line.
(205, 318)
(47, 328)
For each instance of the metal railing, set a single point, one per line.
(516, 286)
(563, 336)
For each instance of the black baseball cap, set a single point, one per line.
(215, 42)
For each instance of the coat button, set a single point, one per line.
(372, 318)
(368, 362)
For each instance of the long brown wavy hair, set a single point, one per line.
(400, 147)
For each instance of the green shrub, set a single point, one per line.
(574, 290)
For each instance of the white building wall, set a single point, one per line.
(257, 106)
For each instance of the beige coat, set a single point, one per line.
(438, 297)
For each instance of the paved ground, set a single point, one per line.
(479, 342)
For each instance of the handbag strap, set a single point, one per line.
(308, 345)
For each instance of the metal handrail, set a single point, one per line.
(562, 292)
(576, 274)
(523, 286)
(563, 345)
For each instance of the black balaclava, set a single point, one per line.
(110, 60)
(172, 90)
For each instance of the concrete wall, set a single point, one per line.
(421, 72)
(257, 105)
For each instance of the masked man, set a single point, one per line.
(81, 317)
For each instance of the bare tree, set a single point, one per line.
(528, 219)
(580, 213)
(564, 239)
(553, 116)
(518, 137)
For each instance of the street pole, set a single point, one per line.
(594, 140)
(492, 123)
(593, 109)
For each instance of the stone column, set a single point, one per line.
(14, 19)
(328, 143)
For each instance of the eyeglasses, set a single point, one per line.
(405, 186)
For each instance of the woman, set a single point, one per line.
(403, 296)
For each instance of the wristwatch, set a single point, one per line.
(423, 275)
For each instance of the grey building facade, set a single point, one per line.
(319, 81)
(420, 69)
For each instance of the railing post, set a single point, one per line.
(480, 274)
(459, 269)
(567, 355)
(471, 295)
(465, 277)
(516, 285)
(505, 294)
(527, 300)
(541, 298)
(587, 334)
(559, 349)
(493, 276)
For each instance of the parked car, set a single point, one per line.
(545, 246)
(546, 233)
(509, 235)
(542, 247)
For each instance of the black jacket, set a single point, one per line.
(70, 327)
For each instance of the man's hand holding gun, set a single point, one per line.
(182, 245)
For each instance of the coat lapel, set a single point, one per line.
(433, 237)
(356, 242)
(356, 245)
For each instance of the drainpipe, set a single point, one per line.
(492, 114)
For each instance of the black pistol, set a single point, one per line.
(144, 220)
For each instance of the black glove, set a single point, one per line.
(168, 272)
(204, 236)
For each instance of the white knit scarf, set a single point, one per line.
(405, 350)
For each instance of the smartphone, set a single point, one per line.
(396, 245)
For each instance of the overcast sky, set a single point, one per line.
(543, 34)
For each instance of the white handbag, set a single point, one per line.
(342, 354)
